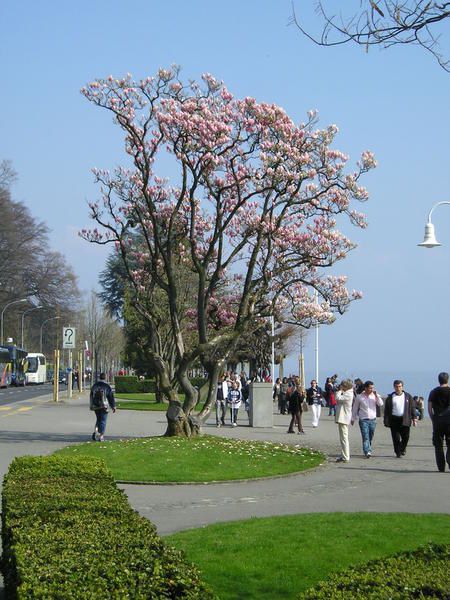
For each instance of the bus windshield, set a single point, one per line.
(33, 364)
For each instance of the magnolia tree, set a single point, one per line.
(251, 211)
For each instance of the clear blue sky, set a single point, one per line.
(394, 102)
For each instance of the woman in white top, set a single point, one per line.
(344, 401)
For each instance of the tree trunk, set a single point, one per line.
(179, 423)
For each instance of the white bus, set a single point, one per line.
(37, 368)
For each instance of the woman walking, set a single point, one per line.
(234, 402)
(365, 409)
(344, 401)
(330, 396)
(315, 399)
(295, 409)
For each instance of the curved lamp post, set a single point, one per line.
(23, 317)
(3, 312)
(429, 240)
(43, 323)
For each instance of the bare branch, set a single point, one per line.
(382, 23)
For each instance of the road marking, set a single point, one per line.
(5, 407)
(24, 408)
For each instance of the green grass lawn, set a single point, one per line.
(279, 557)
(203, 458)
(139, 402)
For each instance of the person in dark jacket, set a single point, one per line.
(296, 399)
(103, 390)
(399, 413)
(439, 411)
(315, 399)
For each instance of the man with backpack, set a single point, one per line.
(101, 398)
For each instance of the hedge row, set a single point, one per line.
(422, 573)
(69, 533)
(130, 384)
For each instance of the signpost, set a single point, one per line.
(69, 342)
(69, 337)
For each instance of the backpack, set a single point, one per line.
(99, 399)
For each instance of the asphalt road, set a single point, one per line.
(16, 394)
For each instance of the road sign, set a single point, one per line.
(69, 337)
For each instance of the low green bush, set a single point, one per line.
(130, 384)
(69, 532)
(421, 573)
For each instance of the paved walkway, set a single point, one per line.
(383, 483)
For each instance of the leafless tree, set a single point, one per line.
(104, 336)
(29, 269)
(381, 23)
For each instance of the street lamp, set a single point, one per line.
(3, 312)
(23, 316)
(429, 240)
(43, 323)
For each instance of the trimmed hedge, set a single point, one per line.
(421, 573)
(69, 533)
(130, 384)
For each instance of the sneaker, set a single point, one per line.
(94, 439)
(234, 424)
(369, 454)
(217, 424)
(341, 459)
(101, 439)
(289, 431)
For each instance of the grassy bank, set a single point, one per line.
(279, 557)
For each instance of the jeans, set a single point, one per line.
(367, 427)
(234, 413)
(296, 417)
(220, 411)
(100, 424)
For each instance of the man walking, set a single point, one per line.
(101, 397)
(365, 409)
(439, 411)
(221, 400)
(399, 413)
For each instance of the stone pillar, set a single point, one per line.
(261, 405)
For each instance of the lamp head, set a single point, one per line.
(429, 240)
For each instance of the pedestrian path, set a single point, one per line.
(383, 483)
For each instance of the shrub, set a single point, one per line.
(127, 384)
(131, 384)
(148, 386)
(68, 532)
(422, 573)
